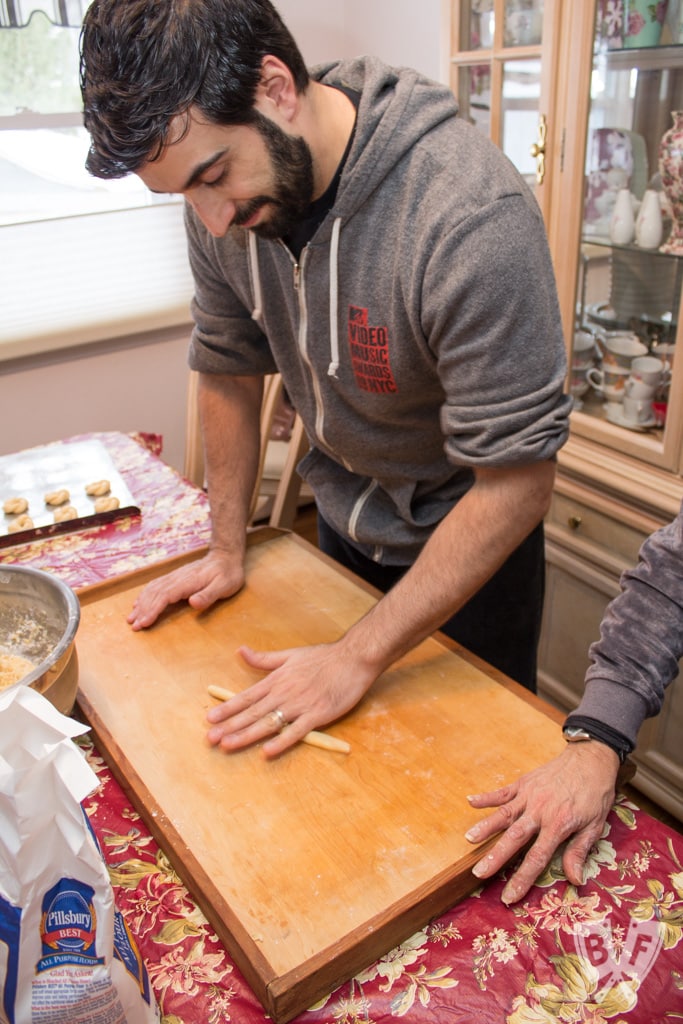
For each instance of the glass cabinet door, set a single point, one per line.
(499, 52)
(623, 370)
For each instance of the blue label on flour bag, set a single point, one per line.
(10, 929)
(68, 926)
(126, 951)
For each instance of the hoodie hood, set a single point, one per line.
(398, 108)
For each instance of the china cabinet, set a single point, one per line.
(583, 97)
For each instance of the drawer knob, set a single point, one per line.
(574, 522)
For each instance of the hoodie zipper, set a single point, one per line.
(300, 289)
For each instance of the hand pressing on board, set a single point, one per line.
(566, 799)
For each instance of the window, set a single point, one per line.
(83, 259)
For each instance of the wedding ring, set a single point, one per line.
(278, 719)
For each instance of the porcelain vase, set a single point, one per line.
(622, 226)
(649, 226)
(643, 21)
(671, 171)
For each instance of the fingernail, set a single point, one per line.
(471, 836)
(478, 870)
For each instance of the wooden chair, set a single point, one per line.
(286, 499)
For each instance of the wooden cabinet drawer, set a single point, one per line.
(574, 523)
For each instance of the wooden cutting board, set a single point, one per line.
(312, 865)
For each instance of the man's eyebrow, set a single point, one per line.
(200, 169)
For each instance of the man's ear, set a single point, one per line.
(276, 92)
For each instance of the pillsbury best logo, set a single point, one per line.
(68, 926)
(619, 955)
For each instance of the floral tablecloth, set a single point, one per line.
(609, 952)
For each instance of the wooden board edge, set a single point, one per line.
(255, 968)
(138, 577)
(295, 992)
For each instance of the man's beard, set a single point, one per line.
(292, 163)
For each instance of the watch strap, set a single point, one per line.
(615, 740)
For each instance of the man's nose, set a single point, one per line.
(215, 213)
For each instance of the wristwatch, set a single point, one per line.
(575, 734)
(579, 733)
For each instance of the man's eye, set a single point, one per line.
(216, 181)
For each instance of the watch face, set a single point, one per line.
(573, 734)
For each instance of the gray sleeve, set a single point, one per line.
(225, 338)
(491, 310)
(641, 637)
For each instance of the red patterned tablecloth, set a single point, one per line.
(607, 953)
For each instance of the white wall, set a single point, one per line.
(131, 385)
(398, 31)
(139, 384)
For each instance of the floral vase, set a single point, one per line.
(610, 24)
(671, 170)
(643, 20)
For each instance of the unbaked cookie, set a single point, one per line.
(97, 488)
(107, 504)
(59, 497)
(20, 523)
(15, 506)
(66, 512)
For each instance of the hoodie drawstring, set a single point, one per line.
(257, 311)
(334, 298)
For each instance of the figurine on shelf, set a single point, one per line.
(671, 170)
(622, 226)
(649, 221)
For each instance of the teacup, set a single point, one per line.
(665, 353)
(648, 370)
(621, 348)
(609, 381)
(584, 350)
(636, 388)
(638, 410)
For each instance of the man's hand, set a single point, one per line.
(567, 798)
(310, 686)
(215, 576)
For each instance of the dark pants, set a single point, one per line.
(500, 624)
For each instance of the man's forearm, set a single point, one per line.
(465, 550)
(230, 409)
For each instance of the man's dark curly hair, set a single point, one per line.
(143, 62)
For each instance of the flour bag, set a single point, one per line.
(66, 955)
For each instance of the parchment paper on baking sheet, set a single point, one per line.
(35, 472)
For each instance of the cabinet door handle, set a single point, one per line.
(538, 148)
(574, 522)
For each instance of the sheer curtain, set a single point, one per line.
(15, 13)
(80, 260)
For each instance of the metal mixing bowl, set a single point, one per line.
(39, 617)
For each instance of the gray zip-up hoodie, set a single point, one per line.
(419, 335)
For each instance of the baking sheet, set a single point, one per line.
(35, 472)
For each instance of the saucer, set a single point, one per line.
(615, 414)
